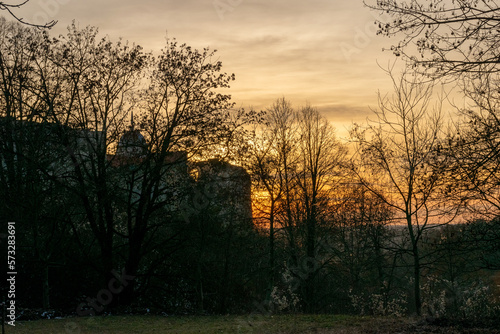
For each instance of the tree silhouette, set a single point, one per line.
(444, 37)
(297, 162)
(86, 88)
(396, 161)
(272, 163)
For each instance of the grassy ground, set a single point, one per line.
(283, 324)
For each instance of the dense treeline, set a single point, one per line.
(402, 220)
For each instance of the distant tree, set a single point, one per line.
(482, 238)
(320, 170)
(275, 167)
(396, 160)
(297, 162)
(272, 163)
(267, 191)
(360, 235)
(361, 258)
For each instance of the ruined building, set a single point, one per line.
(213, 186)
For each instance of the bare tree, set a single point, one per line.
(361, 241)
(321, 162)
(11, 7)
(458, 40)
(298, 162)
(444, 37)
(264, 168)
(273, 162)
(395, 160)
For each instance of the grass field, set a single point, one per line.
(282, 324)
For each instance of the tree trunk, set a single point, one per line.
(416, 277)
(45, 287)
(311, 231)
(271, 243)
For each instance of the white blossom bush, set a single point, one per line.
(381, 304)
(434, 296)
(284, 298)
(463, 300)
(477, 302)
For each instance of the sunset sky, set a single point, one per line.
(321, 52)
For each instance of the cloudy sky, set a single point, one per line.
(321, 52)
